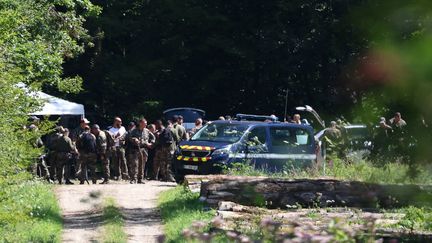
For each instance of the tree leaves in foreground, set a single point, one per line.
(35, 39)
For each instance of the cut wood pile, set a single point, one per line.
(285, 193)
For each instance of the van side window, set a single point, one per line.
(257, 136)
(302, 137)
(283, 136)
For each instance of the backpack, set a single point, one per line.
(87, 143)
(110, 139)
(51, 141)
(166, 137)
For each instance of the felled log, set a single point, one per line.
(285, 193)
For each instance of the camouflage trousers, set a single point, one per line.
(59, 166)
(87, 161)
(118, 162)
(137, 159)
(40, 168)
(162, 163)
(105, 165)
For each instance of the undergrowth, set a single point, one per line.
(29, 212)
(360, 170)
(179, 209)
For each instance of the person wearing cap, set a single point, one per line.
(118, 154)
(101, 151)
(76, 133)
(86, 144)
(63, 149)
(139, 141)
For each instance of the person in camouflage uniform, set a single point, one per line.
(181, 130)
(40, 166)
(86, 144)
(75, 135)
(51, 153)
(164, 150)
(139, 140)
(63, 150)
(101, 151)
(333, 139)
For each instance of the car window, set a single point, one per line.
(220, 132)
(257, 136)
(302, 137)
(287, 136)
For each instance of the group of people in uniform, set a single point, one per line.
(387, 137)
(140, 151)
(390, 138)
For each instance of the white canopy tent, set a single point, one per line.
(57, 106)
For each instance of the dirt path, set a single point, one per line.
(138, 204)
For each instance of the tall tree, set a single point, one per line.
(35, 39)
(222, 56)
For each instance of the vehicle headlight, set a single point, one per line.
(222, 151)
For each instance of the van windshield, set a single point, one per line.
(220, 132)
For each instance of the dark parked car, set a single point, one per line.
(268, 145)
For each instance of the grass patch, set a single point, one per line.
(113, 223)
(179, 209)
(29, 212)
(360, 170)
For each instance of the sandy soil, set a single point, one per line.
(80, 205)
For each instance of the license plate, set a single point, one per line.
(190, 167)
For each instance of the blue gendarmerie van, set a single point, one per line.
(272, 146)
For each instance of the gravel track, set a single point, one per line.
(80, 205)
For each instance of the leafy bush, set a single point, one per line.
(416, 219)
(35, 38)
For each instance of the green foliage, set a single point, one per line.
(416, 219)
(360, 170)
(37, 36)
(35, 39)
(29, 212)
(179, 209)
(113, 223)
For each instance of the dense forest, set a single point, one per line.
(221, 56)
(243, 56)
(360, 59)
